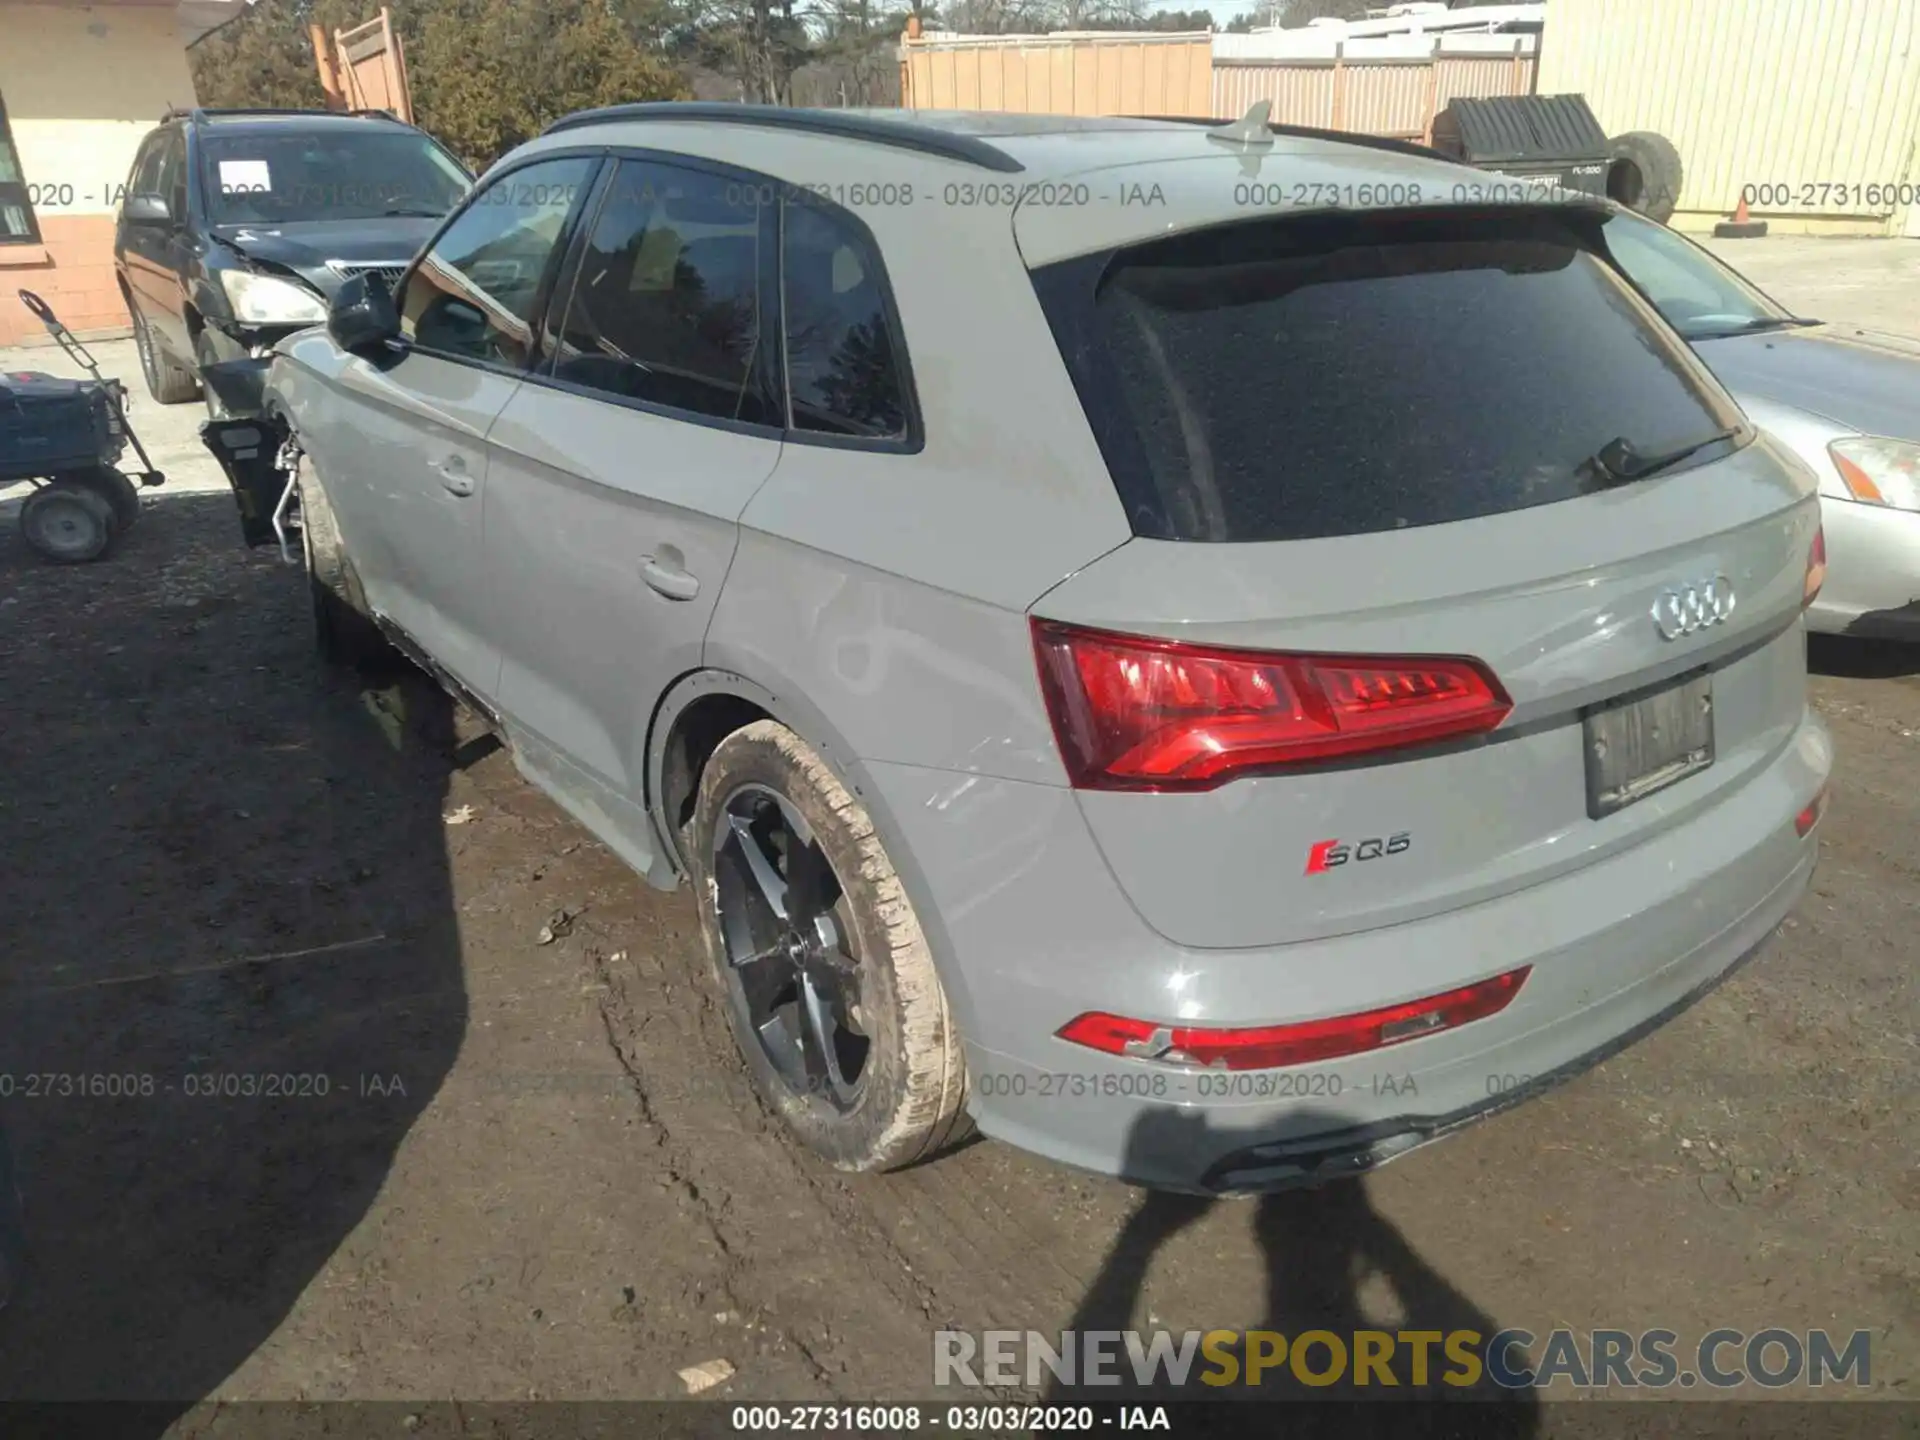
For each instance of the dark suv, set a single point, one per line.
(239, 225)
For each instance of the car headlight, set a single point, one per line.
(1878, 470)
(269, 300)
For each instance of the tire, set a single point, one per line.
(116, 489)
(68, 524)
(168, 381)
(344, 633)
(1644, 173)
(889, 1012)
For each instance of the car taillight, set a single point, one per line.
(1816, 567)
(1810, 817)
(1269, 1047)
(1133, 713)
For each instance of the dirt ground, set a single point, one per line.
(508, 1170)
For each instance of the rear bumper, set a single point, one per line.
(1329, 1156)
(1032, 930)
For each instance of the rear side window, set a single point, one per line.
(666, 306)
(843, 371)
(1284, 380)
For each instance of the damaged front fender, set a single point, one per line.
(254, 447)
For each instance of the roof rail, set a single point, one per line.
(1314, 132)
(901, 134)
(204, 112)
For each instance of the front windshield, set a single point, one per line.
(1698, 296)
(338, 173)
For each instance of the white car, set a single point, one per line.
(1846, 399)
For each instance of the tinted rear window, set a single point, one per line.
(1283, 380)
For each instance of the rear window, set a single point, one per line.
(1340, 375)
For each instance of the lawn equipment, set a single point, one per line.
(65, 437)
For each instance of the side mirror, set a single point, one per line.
(362, 316)
(146, 210)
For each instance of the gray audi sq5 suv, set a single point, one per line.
(1215, 653)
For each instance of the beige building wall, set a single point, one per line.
(1061, 74)
(1396, 98)
(82, 84)
(1817, 101)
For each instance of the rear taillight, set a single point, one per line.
(1268, 1047)
(1804, 822)
(1816, 567)
(1133, 713)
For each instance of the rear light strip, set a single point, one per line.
(1134, 712)
(1271, 1046)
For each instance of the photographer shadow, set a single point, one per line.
(1321, 1246)
(233, 979)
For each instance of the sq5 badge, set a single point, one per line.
(1329, 854)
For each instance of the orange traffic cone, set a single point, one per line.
(1740, 227)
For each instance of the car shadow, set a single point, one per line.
(234, 979)
(1320, 1248)
(1854, 658)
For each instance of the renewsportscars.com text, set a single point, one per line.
(1510, 1359)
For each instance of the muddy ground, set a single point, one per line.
(512, 1170)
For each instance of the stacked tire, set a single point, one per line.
(1644, 173)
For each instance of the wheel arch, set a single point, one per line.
(701, 709)
(698, 711)
(342, 576)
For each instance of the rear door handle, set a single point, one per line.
(669, 580)
(453, 475)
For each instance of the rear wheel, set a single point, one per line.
(830, 987)
(67, 523)
(168, 381)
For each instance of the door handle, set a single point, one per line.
(453, 475)
(669, 580)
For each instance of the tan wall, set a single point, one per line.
(1398, 98)
(82, 84)
(1178, 75)
(1793, 93)
(1061, 75)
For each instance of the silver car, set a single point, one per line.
(1845, 399)
(1215, 655)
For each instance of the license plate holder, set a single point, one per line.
(1643, 742)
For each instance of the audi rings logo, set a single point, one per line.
(1693, 606)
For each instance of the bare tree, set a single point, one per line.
(1301, 11)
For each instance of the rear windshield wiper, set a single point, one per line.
(412, 211)
(1619, 462)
